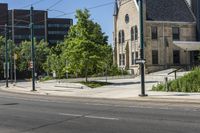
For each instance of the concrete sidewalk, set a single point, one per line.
(120, 89)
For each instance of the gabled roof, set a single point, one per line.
(169, 10)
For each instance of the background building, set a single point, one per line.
(57, 29)
(195, 6)
(169, 34)
(19, 21)
(51, 30)
(3, 17)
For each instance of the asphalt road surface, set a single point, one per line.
(20, 113)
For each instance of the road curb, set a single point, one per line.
(167, 100)
(135, 99)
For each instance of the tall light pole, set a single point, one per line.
(6, 54)
(13, 40)
(11, 62)
(142, 49)
(32, 50)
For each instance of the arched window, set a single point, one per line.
(136, 33)
(119, 37)
(123, 36)
(132, 34)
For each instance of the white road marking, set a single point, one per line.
(100, 117)
(89, 116)
(141, 107)
(67, 114)
(98, 104)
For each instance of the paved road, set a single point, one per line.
(45, 114)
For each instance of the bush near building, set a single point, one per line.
(188, 83)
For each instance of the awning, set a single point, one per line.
(188, 45)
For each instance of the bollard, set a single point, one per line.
(175, 74)
(166, 84)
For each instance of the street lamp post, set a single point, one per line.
(6, 54)
(32, 50)
(142, 49)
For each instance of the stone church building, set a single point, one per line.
(171, 34)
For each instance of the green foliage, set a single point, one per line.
(86, 49)
(188, 83)
(84, 52)
(114, 70)
(94, 84)
(46, 78)
(55, 62)
(159, 87)
(23, 52)
(41, 51)
(2, 53)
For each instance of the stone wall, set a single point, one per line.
(127, 7)
(164, 43)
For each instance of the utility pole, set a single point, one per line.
(142, 49)
(11, 62)
(45, 25)
(13, 40)
(32, 49)
(15, 67)
(6, 56)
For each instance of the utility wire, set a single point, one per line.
(69, 13)
(56, 11)
(106, 4)
(94, 7)
(35, 3)
(55, 4)
(64, 14)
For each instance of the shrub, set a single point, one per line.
(188, 83)
(45, 78)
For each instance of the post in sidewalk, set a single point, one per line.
(13, 40)
(6, 54)
(15, 68)
(142, 49)
(32, 49)
(11, 62)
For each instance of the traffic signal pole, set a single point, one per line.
(142, 49)
(6, 54)
(32, 49)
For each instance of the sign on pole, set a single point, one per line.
(31, 64)
(140, 61)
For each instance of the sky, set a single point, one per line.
(102, 13)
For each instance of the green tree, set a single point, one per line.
(2, 55)
(23, 52)
(55, 62)
(86, 49)
(41, 51)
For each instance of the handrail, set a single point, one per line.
(174, 71)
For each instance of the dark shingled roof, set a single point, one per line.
(168, 10)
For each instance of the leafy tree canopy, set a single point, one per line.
(86, 46)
